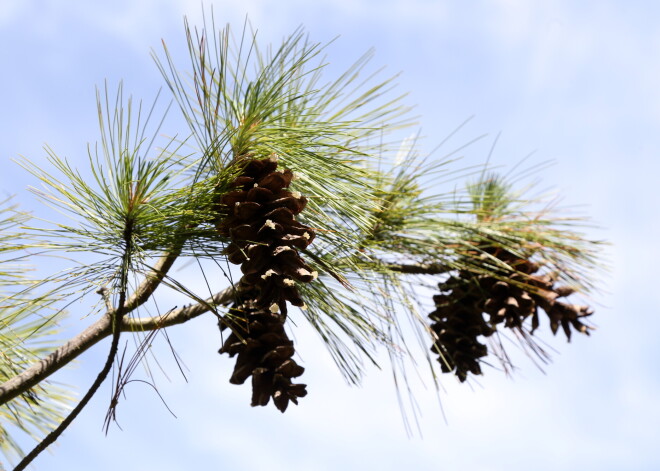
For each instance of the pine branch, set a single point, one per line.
(97, 332)
(180, 315)
(103, 327)
(419, 268)
(332, 138)
(56, 360)
(153, 279)
(116, 317)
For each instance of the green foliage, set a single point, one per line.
(27, 325)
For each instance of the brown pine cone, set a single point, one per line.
(558, 312)
(265, 237)
(259, 217)
(264, 352)
(458, 320)
(507, 303)
(534, 291)
(457, 325)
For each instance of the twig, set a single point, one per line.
(102, 328)
(62, 356)
(419, 268)
(180, 315)
(95, 333)
(116, 316)
(105, 294)
(152, 279)
(100, 378)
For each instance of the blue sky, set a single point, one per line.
(574, 82)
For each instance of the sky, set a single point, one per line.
(570, 82)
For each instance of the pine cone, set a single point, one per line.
(507, 303)
(561, 313)
(515, 300)
(265, 236)
(458, 322)
(264, 352)
(509, 300)
(259, 219)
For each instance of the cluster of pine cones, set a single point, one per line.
(259, 217)
(471, 306)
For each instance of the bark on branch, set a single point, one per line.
(103, 327)
(152, 279)
(419, 268)
(97, 332)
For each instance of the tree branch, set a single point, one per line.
(152, 279)
(56, 360)
(178, 316)
(103, 328)
(97, 332)
(116, 316)
(419, 268)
